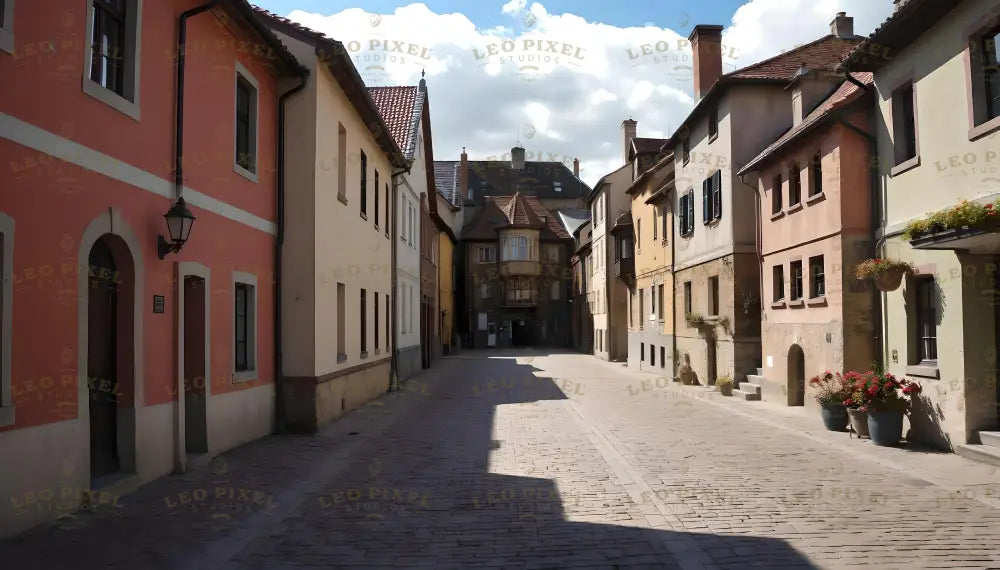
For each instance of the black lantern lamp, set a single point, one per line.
(179, 223)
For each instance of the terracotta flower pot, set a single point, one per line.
(859, 421)
(726, 389)
(890, 279)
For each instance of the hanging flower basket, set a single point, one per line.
(887, 273)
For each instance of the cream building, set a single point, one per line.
(607, 202)
(337, 277)
(937, 92)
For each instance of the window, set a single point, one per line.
(817, 280)
(652, 355)
(654, 224)
(687, 213)
(638, 234)
(387, 202)
(555, 290)
(388, 334)
(405, 213)
(659, 301)
(713, 295)
(376, 201)
(663, 357)
(711, 197)
(364, 185)
(686, 150)
(778, 282)
(6, 321)
(631, 310)
(794, 185)
(552, 253)
(111, 68)
(687, 297)
(663, 220)
(6, 41)
(816, 175)
(642, 308)
(486, 254)
(405, 316)
(988, 63)
(375, 321)
(244, 326)
(516, 248)
(246, 127)
(364, 324)
(904, 132)
(521, 291)
(776, 194)
(341, 322)
(926, 319)
(486, 291)
(642, 352)
(341, 163)
(713, 123)
(652, 302)
(796, 267)
(557, 186)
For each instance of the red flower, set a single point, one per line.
(988, 206)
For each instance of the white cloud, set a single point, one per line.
(491, 87)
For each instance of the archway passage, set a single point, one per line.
(796, 381)
(102, 358)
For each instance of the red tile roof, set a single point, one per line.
(514, 211)
(847, 93)
(644, 145)
(397, 105)
(825, 53)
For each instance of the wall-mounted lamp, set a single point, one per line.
(179, 223)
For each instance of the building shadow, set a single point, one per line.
(419, 487)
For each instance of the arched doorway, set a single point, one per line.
(110, 370)
(796, 381)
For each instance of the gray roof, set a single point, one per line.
(573, 218)
(446, 180)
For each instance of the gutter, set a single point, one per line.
(179, 93)
(279, 240)
(394, 302)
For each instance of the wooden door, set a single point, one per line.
(102, 355)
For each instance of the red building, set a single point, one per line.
(106, 320)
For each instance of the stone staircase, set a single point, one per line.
(750, 390)
(986, 452)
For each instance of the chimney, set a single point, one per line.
(628, 133)
(576, 167)
(517, 158)
(706, 48)
(842, 25)
(463, 177)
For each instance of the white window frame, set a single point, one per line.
(485, 291)
(6, 317)
(404, 222)
(251, 373)
(489, 250)
(244, 73)
(7, 34)
(133, 42)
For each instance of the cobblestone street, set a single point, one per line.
(525, 460)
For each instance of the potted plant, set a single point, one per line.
(888, 273)
(830, 394)
(852, 401)
(725, 385)
(885, 399)
(965, 216)
(694, 320)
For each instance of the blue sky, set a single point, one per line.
(679, 15)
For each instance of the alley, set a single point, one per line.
(530, 460)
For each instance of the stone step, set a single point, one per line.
(981, 453)
(760, 372)
(748, 396)
(990, 438)
(755, 379)
(750, 387)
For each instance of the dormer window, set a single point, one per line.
(557, 186)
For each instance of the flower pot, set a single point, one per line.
(886, 428)
(834, 417)
(726, 389)
(859, 421)
(890, 279)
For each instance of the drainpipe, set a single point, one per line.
(394, 352)
(179, 95)
(279, 240)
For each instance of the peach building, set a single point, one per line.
(130, 349)
(813, 188)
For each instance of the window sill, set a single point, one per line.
(816, 198)
(110, 98)
(976, 132)
(904, 166)
(341, 357)
(713, 222)
(794, 208)
(364, 216)
(244, 376)
(342, 198)
(252, 177)
(797, 303)
(817, 301)
(6, 415)
(778, 304)
(777, 215)
(923, 371)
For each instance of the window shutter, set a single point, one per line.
(682, 208)
(706, 200)
(690, 211)
(717, 194)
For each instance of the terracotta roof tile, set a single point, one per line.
(398, 107)
(645, 145)
(825, 53)
(517, 210)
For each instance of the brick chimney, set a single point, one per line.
(517, 158)
(576, 167)
(463, 177)
(842, 26)
(706, 48)
(628, 133)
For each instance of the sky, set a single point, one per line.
(559, 76)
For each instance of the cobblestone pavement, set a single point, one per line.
(536, 461)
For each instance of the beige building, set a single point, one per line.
(341, 166)
(937, 91)
(609, 308)
(644, 260)
(716, 269)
